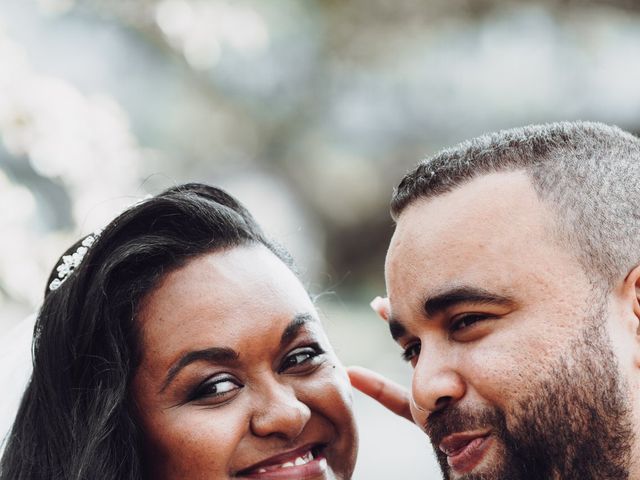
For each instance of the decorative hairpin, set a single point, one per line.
(73, 261)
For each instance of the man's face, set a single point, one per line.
(521, 365)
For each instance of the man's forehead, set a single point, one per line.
(484, 229)
(473, 210)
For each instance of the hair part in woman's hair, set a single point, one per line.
(76, 419)
(587, 173)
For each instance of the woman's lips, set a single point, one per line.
(302, 463)
(465, 451)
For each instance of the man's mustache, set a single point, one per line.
(458, 419)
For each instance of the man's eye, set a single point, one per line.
(467, 320)
(300, 358)
(411, 353)
(218, 389)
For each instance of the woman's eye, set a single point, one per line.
(301, 358)
(467, 320)
(412, 352)
(219, 389)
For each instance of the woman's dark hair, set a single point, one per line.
(75, 420)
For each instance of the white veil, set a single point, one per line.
(15, 370)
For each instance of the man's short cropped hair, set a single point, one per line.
(587, 173)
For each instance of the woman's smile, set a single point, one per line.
(303, 462)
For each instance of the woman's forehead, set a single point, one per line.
(223, 296)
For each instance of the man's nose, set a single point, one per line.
(279, 412)
(435, 385)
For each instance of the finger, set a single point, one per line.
(386, 392)
(382, 307)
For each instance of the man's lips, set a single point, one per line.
(303, 462)
(465, 450)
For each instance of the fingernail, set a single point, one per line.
(375, 302)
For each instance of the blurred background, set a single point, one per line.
(308, 111)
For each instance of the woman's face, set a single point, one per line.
(237, 378)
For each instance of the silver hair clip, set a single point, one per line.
(71, 262)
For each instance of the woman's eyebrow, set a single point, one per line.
(225, 355)
(214, 354)
(291, 330)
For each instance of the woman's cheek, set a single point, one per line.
(198, 442)
(337, 406)
(331, 380)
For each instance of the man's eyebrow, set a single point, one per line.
(396, 328)
(291, 330)
(448, 298)
(457, 295)
(221, 355)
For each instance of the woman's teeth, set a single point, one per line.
(302, 460)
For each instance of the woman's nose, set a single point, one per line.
(279, 412)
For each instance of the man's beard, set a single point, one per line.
(576, 425)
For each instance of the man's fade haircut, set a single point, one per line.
(587, 173)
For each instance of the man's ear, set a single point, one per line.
(632, 292)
